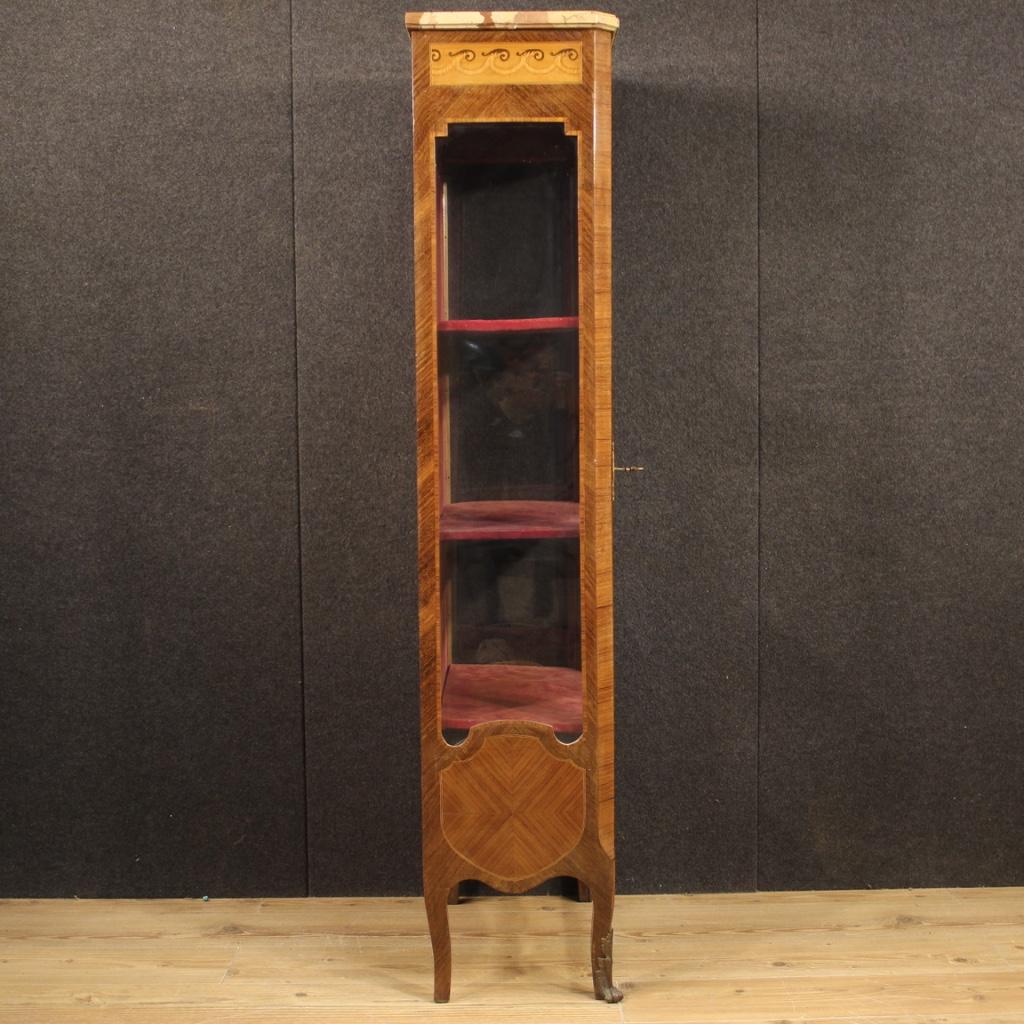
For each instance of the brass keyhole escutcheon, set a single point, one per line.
(622, 469)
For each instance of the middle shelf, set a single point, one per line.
(510, 520)
(509, 326)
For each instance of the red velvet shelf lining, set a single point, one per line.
(509, 520)
(541, 323)
(513, 693)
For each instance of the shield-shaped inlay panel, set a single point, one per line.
(513, 808)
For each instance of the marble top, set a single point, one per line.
(510, 19)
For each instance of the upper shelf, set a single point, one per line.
(459, 20)
(510, 520)
(537, 323)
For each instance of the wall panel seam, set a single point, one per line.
(298, 446)
(760, 574)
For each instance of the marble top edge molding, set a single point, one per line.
(460, 20)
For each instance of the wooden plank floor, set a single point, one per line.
(940, 956)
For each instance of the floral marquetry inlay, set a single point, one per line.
(509, 64)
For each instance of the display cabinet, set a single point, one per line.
(512, 206)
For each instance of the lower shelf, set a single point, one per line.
(474, 694)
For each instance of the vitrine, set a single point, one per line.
(512, 208)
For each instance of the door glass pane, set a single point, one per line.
(512, 410)
(516, 602)
(515, 635)
(509, 231)
(508, 357)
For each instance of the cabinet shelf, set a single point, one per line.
(510, 520)
(474, 694)
(537, 323)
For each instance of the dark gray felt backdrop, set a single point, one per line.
(207, 548)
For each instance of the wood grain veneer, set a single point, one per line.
(528, 758)
(514, 807)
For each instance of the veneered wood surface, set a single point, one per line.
(513, 808)
(585, 112)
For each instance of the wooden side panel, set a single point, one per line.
(599, 393)
(427, 451)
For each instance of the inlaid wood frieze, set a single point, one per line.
(523, 64)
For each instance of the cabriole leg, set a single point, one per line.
(436, 898)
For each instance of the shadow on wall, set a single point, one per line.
(685, 280)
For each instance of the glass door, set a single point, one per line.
(508, 357)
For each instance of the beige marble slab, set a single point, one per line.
(459, 20)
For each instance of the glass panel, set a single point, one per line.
(515, 636)
(511, 416)
(509, 221)
(516, 602)
(508, 356)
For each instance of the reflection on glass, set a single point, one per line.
(512, 416)
(516, 602)
(508, 397)
(509, 197)
(515, 636)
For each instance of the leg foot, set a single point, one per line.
(603, 987)
(436, 898)
(603, 898)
